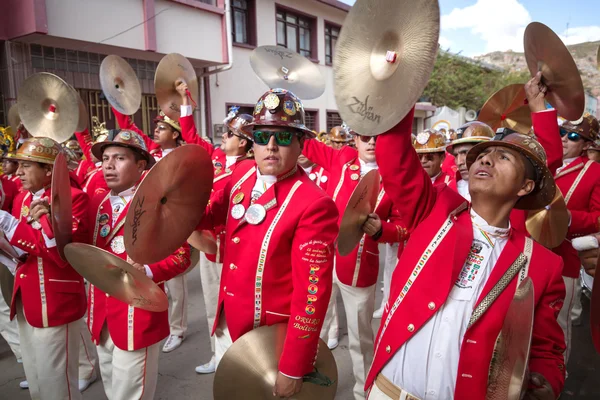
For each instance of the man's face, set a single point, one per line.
(304, 162)
(573, 147)
(366, 150)
(336, 145)
(9, 167)
(120, 168)
(273, 159)
(432, 163)
(165, 136)
(594, 155)
(460, 153)
(232, 145)
(34, 176)
(500, 172)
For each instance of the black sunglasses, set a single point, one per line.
(367, 139)
(572, 136)
(283, 138)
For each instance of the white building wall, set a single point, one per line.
(241, 86)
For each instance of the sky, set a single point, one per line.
(475, 27)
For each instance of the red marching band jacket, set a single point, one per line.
(441, 236)
(91, 178)
(130, 328)
(319, 176)
(8, 192)
(51, 291)
(281, 269)
(361, 267)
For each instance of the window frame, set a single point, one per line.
(332, 25)
(316, 114)
(313, 27)
(250, 26)
(327, 119)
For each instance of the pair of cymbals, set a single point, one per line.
(508, 368)
(116, 277)
(168, 204)
(546, 52)
(61, 204)
(120, 85)
(48, 107)
(250, 366)
(362, 203)
(383, 60)
(279, 67)
(173, 69)
(507, 108)
(549, 225)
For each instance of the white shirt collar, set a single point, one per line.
(166, 151)
(126, 193)
(484, 226)
(38, 195)
(309, 169)
(230, 160)
(366, 167)
(268, 179)
(435, 177)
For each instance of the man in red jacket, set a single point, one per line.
(460, 270)
(431, 148)
(49, 295)
(127, 338)
(280, 230)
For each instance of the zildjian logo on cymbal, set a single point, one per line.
(363, 109)
(282, 54)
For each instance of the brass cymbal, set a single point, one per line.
(279, 67)
(172, 69)
(545, 51)
(168, 204)
(48, 107)
(8, 256)
(549, 225)
(13, 117)
(203, 241)
(508, 368)
(383, 60)
(83, 116)
(507, 109)
(595, 310)
(120, 85)
(61, 204)
(250, 366)
(116, 277)
(361, 204)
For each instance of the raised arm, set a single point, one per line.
(405, 181)
(186, 120)
(125, 122)
(323, 155)
(85, 142)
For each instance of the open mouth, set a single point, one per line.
(482, 173)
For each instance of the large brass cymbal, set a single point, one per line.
(508, 368)
(507, 109)
(595, 310)
(61, 204)
(549, 225)
(48, 107)
(545, 51)
(13, 117)
(83, 116)
(372, 93)
(203, 241)
(116, 277)
(250, 366)
(361, 204)
(172, 69)
(120, 85)
(279, 67)
(8, 261)
(168, 204)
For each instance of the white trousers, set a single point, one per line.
(127, 375)
(577, 309)
(222, 339)
(87, 352)
(391, 260)
(178, 296)
(359, 304)
(564, 317)
(50, 359)
(9, 329)
(377, 394)
(210, 278)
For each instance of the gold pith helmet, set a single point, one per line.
(586, 126)
(162, 117)
(38, 149)
(99, 131)
(237, 124)
(125, 138)
(72, 145)
(532, 150)
(471, 132)
(430, 141)
(338, 134)
(322, 137)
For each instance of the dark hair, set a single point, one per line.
(248, 146)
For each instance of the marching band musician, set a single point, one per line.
(235, 146)
(431, 148)
(316, 173)
(459, 273)
(355, 275)
(49, 295)
(463, 140)
(89, 171)
(167, 137)
(127, 338)
(280, 230)
(339, 137)
(10, 166)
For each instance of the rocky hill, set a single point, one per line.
(585, 55)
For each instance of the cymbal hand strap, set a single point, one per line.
(317, 378)
(189, 95)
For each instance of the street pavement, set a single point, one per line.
(178, 380)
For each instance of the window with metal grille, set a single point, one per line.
(296, 32)
(333, 119)
(332, 32)
(242, 20)
(311, 119)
